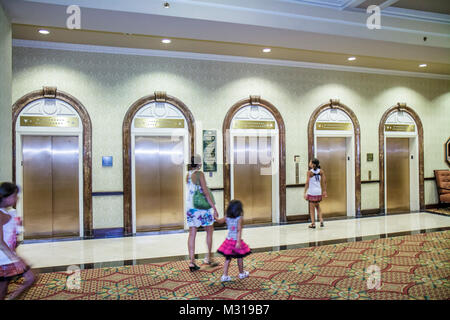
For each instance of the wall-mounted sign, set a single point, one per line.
(209, 150)
(107, 161)
(158, 123)
(333, 126)
(400, 127)
(62, 122)
(249, 124)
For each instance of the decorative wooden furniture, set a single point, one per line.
(443, 186)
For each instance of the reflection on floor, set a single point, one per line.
(413, 267)
(55, 256)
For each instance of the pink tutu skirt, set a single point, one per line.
(229, 250)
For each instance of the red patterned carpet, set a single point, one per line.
(411, 267)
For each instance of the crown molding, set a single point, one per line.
(215, 57)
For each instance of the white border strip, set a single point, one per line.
(215, 57)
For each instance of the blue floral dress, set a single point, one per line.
(196, 217)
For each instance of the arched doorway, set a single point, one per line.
(254, 158)
(401, 160)
(52, 139)
(334, 138)
(158, 140)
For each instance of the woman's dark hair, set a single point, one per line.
(316, 163)
(196, 161)
(7, 189)
(234, 209)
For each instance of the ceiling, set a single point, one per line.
(412, 32)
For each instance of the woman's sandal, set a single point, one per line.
(211, 263)
(194, 267)
(321, 224)
(312, 226)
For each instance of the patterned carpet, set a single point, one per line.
(445, 211)
(411, 267)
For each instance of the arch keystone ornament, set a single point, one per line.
(54, 93)
(400, 107)
(255, 100)
(160, 97)
(336, 104)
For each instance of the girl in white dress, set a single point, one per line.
(315, 188)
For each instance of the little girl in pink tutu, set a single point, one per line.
(234, 246)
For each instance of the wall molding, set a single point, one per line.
(126, 143)
(53, 93)
(381, 155)
(356, 137)
(216, 57)
(255, 100)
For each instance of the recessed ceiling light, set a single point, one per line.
(351, 58)
(423, 65)
(43, 31)
(267, 50)
(166, 41)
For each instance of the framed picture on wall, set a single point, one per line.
(447, 152)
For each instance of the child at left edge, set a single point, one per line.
(234, 246)
(11, 265)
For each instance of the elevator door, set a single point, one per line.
(159, 183)
(252, 177)
(397, 175)
(331, 153)
(50, 186)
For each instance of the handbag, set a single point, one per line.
(199, 199)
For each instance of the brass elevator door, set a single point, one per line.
(159, 183)
(397, 175)
(331, 152)
(252, 177)
(50, 186)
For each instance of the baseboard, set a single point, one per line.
(297, 218)
(369, 212)
(108, 233)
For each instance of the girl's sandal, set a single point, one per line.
(312, 226)
(321, 224)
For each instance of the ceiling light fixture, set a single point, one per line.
(423, 65)
(351, 58)
(166, 5)
(43, 31)
(166, 41)
(266, 50)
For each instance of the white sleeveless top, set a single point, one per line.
(10, 229)
(315, 189)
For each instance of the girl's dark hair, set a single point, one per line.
(315, 162)
(234, 209)
(7, 189)
(196, 161)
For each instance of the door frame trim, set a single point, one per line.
(53, 93)
(335, 103)
(381, 147)
(256, 101)
(158, 96)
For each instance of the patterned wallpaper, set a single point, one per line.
(5, 96)
(108, 84)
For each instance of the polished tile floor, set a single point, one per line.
(98, 252)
